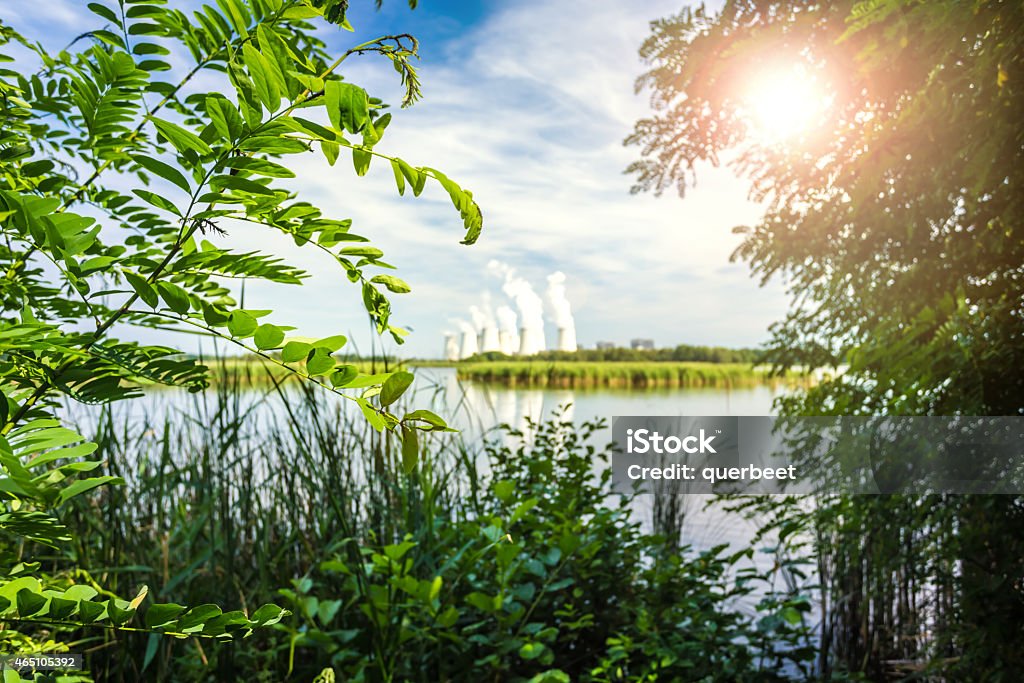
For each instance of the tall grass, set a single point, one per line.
(239, 496)
(583, 374)
(232, 493)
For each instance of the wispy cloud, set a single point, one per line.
(528, 108)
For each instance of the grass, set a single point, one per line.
(237, 496)
(561, 374)
(232, 493)
(584, 374)
(258, 373)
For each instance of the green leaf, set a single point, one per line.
(531, 650)
(182, 140)
(163, 615)
(342, 377)
(369, 252)
(504, 489)
(152, 646)
(361, 160)
(156, 200)
(61, 608)
(295, 351)
(331, 151)
(399, 176)
(394, 284)
(301, 12)
(214, 315)
(90, 611)
(259, 167)
(416, 177)
(394, 387)
(410, 449)
(371, 415)
(268, 336)
(118, 615)
(165, 171)
(104, 12)
(264, 80)
(320, 363)
(435, 421)
(332, 344)
(81, 486)
(225, 117)
(268, 615)
(347, 106)
(483, 602)
(30, 603)
(142, 288)
(195, 619)
(241, 324)
(175, 297)
(790, 614)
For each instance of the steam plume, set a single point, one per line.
(531, 307)
(562, 310)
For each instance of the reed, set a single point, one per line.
(234, 492)
(638, 375)
(239, 496)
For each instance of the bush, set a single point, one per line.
(543, 575)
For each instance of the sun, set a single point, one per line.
(784, 103)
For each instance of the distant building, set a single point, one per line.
(641, 344)
(605, 345)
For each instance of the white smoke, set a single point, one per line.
(561, 311)
(485, 324)
(531, 307)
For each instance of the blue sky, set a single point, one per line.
(526, 104)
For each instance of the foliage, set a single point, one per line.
(126, 188)
(895, 221)
(504, 564)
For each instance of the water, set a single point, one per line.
(480, 406)
(477, 409)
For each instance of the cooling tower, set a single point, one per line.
(566, 339)
(489, 340)
(530, 341)
(507, 342)
(469, 347)
(451, 347)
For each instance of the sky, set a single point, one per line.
(526, 104)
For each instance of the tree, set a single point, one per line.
(896, 221)
(123, 174)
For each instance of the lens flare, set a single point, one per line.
(784, 103)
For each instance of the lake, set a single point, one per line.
(478, 407)
(476, 410)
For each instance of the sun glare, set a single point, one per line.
(784, 103)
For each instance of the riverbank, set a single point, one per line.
(570, 374)
(584, 374)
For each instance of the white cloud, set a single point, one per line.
(528, 109)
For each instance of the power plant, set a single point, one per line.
(516, 327)
(562, 312)
(451, 346)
